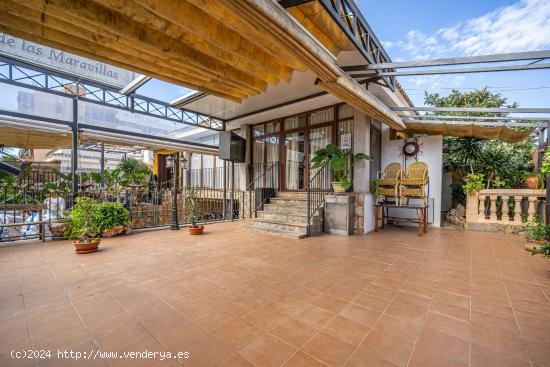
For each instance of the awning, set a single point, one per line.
(229, 48)
(470, 130)
(25, 134)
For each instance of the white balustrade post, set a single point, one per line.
(517, 209)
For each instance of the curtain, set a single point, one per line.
(318, 139)
(272, 155)
(318, 117)
(294, 144)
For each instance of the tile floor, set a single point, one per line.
(238, 298)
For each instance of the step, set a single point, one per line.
(278, 225)
(276, 232)
(290, 209)
(292, 194)
(289, 201)
(282, 216)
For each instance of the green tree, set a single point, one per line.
(502, 164)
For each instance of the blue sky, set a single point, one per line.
(420, 29)
(416, 29)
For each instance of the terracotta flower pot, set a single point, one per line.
(82, 247)
(532, 182)
(113, 231)
(196, 230)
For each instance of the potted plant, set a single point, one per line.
(533, 180)
(340, 162)
(113, 218)
(83, 225)
(536, 234)
(543, 249)
(193, 212)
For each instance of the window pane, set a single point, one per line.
(345, 128)
(258, 156)
(295, 122)
(272, 127)
(207, 170)
(318, 117)
(345, 111)
(318, 139)
(258, 130)
(195, 169)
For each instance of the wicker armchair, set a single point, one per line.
(413, 182)
(388, 181)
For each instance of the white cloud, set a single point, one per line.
(523, 26)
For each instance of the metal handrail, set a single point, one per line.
(318, 186)
(265, 186)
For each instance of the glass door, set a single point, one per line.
(295, 150)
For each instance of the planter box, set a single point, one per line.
(340, 214)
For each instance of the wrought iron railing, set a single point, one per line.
(263, 187)
(318, 186)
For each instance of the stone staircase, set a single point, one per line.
(286, 215)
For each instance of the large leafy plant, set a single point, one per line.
(340, 162)
(473, 182)
(536, 231)
(112, 215)
(89, 218)
(83, 221)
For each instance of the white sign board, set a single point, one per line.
(65, 62)
(345, 141)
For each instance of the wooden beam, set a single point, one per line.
(42, 35)
(192, 20)
(148, 39)
(234, 22)
(162, 65)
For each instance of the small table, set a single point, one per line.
(420, 209)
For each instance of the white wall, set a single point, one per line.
(431, 150)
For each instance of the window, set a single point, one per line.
(25, 101)
(295, 122)
(321, 116)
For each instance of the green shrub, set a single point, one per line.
(112, 214)
(472, 183)
(536, 231)
(83, 220)
(544, 250)
(89, 218)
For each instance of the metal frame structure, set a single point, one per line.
(349, 18)
(28, 76)
(473, 109)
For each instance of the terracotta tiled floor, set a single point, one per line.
(238, 298)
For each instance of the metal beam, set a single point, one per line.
(487, 69)
(516, 56)
(347, 15)
(135, 84)
(498, 118)
(29, 76)
(188, 98)
(473, 109)
(477, 123)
